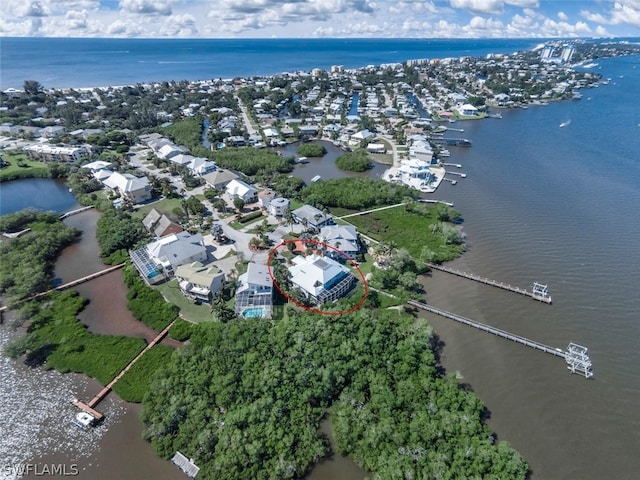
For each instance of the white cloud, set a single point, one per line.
(121, 28)
(491, 6)
(563, 16)
(180, 26)
(146, 7)
(622, 12)
(479, 6)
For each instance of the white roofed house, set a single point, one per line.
(467, 110)
(52, 153)
(201, 166)
(199, 282)
(321, 279)
(129, 187)
(254, 296)
(343, 238)
(239, 189)
(160, 259)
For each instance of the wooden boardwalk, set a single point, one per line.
(493, 283)
(556, 352)
(89, 407)
(69, 284)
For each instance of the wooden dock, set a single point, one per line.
(556, 352)
(71, 284)
(543, 296)
(89, 407)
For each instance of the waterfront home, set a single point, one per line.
(313, 218)
(45, 152)
(128, 187)
(343, 238)
(239, 189)
(466, 110)
(254, 296)
(321, 279)
(376, 148)
(159, 260)
(199, 282)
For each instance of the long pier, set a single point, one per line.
(89, 407)
(556, 352)
(540, 295)
(76, 211)
(71, 284)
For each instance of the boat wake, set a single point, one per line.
(565, 124)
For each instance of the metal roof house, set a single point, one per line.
(321, 279)
(313, 217)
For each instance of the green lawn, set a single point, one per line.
(166, 206)
(407, 230)
(26, 169)
(189, 310)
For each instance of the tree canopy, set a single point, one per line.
(355, 193)
(245, 399)
(357, 161)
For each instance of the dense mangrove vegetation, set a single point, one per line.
(357, 161)
(355, 193)
(26, 262)
(244, 399)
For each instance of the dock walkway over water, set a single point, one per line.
(539, 291)
(67, 285)
(576, 356)
(89, 407)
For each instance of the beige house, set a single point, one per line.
(199, 282)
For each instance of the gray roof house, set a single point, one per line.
(314, 218)
(254, 297)
(159, 260)
(342, 237)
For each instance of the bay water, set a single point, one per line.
(557, 205)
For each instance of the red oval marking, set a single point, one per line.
(273, 251)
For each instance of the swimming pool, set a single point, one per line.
(254, 312)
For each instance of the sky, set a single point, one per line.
(320, 18)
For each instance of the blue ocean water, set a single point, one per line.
(94, 62)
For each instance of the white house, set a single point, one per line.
(278, 207)
(376, 148)
(159, 260)
(341, 237)
(199, 282)
(321, 279)
(53, 153)
(239, 189)
(254, 296)
(135, 189)
(467, 110)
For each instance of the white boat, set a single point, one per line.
(564, 124)
(84, 420)
(315, 179)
